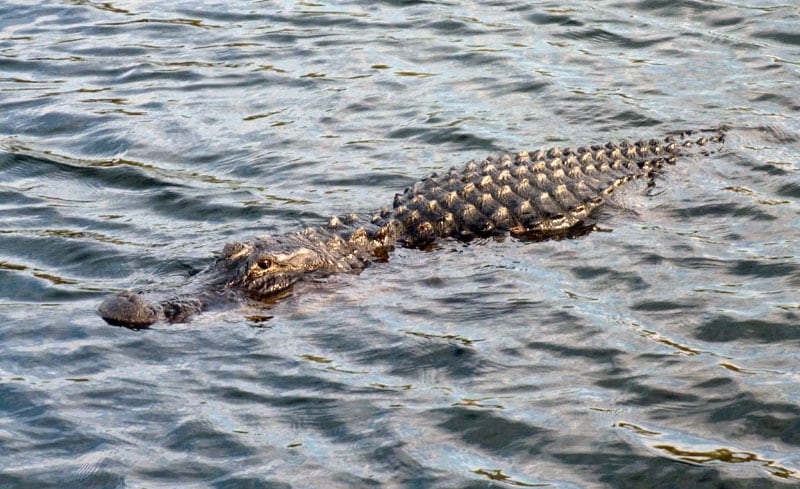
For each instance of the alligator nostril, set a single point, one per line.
(129, 309)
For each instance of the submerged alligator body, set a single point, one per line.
(537, 195)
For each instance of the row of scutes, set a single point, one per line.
(540, 192)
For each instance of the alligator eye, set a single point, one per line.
(264, 264)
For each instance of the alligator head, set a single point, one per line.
(271, 265)
(259, 270)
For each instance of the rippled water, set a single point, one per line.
(137, 137)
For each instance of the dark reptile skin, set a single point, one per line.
(538, 194)
(542, 194)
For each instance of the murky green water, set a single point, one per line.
(137, 137)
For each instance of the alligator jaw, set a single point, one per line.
(130, 310)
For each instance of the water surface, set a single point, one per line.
(136, 138)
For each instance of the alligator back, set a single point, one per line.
(541, 194)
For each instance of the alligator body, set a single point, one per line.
(537, 195)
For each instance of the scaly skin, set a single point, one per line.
(539, 195)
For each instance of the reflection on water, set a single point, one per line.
(136, 138)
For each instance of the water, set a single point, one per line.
(137, 137)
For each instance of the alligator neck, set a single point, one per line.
(352, 248)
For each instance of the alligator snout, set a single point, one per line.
(129, 309)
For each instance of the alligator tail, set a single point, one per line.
(699, 140)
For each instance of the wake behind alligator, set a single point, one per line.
(548, 193)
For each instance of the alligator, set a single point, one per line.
(544, 194)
